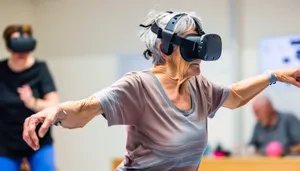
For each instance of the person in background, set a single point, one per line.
(273, 125)
(26, 87)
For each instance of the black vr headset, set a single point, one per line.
(207, 47)
(22, 44)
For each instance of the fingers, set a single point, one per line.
(25, 93)
(29, 134)
(296, 83)
(24, 89)
(26, 135)
(32, 133)
(46, 125)
(20, 90)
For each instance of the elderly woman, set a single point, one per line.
(165, 107)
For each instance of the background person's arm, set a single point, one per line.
(48, 90)
(293, 127)
(50, 99)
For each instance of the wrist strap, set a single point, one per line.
(60, 118)
(272, 77)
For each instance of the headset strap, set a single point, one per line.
(172, 23)
(169, 35)
(20, 29)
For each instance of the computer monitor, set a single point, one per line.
(279, 52)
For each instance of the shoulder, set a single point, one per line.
(136, 80)
(40, 63)
(41, 67)
(257, 127)
(288, 116)
(137, 75)
(201, 82)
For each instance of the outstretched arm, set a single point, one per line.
(242, 92)
(72, 114)
(79, 113)
(122, 103)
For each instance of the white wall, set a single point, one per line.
(14, 11)
(76, 27)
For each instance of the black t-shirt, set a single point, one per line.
(13, 111)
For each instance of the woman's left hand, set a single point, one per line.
(289, 75)
(26, 96)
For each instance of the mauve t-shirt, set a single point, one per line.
(161, 137)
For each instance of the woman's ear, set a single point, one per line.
(161, 53)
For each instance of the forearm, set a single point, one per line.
(79, 113)
(245, 90)
(38, 104)
(295, 149)
(41, 104)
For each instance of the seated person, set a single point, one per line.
(274, 126)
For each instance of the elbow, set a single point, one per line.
(238, 103)
(232, 107)
(234, 100)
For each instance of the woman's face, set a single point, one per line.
(18, 56)
(184, 68)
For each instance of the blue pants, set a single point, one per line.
(41, 160)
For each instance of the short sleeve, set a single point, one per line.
(123, 101)
(216, 95)
(294, 127)
(47, 82)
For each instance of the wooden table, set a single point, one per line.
(244, 164)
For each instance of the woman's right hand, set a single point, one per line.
(47, 117)
(79, 114)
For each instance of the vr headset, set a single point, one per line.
(207, 47)
(22, 44)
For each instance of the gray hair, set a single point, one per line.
(186, 23)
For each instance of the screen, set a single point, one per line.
(279, 52)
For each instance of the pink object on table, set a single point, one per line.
(219, 154)
(274, 149)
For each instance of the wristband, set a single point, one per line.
(272, 77)
(61, 115)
